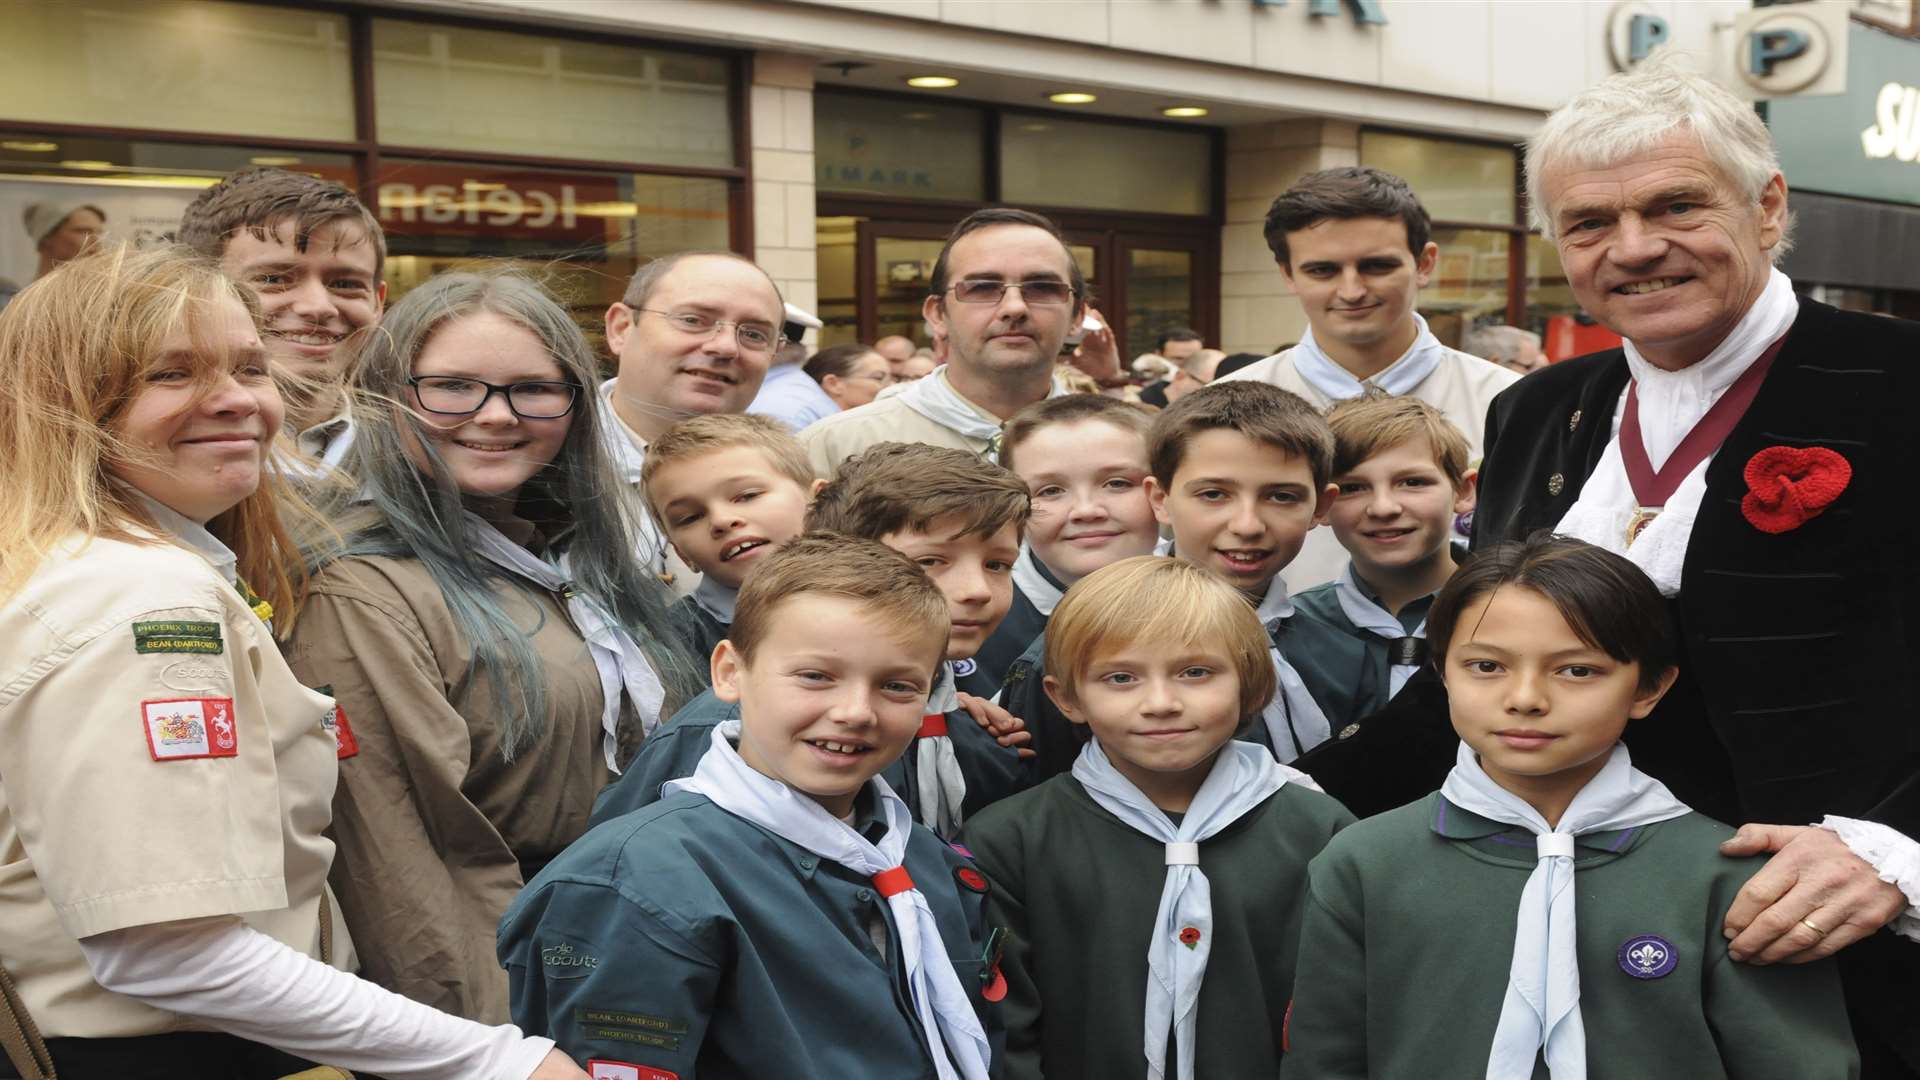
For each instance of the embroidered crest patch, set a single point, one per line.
(334, 722)
(599, 1069)
(182, 728)
(1648, 956)
(178, 636)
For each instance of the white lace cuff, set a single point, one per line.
(1893, 855)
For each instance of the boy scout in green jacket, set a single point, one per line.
(1402, 477)
(1551, 911)
(777, 914)
(1109, 976)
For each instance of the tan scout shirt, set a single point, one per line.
(1461, 388)
(157, 761)
(836, 438)
(434, 824)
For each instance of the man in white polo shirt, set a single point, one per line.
(1354, 244)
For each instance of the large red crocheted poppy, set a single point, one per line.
(1788, 486)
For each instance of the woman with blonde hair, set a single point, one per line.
(497, 648)
(165, 781)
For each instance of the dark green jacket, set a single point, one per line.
(699, 631)
(1077, 890)
(1409, 937)
(685, 939)
(1347, 669)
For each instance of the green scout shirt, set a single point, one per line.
(1347, 668)
(1077, 890)
(685, 939)
(1409, 937)
(697, 629)
(673, 751)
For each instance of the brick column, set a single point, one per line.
(783, 219)
(1257, 311)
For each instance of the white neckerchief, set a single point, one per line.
(938, 784)
(1400, 377)
(194, 535)
(956, 1041)
(1243, 777)
(617, 657)
(1293, 701)
(1542, 1005)
(1044, 595)
(935, 398)
(629, 453)
(1671, 402)
(1366, 615)
(716, 599)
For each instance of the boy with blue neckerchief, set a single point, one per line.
(1402, 478)
(778, 912)
(1109, 976)
(1566, 904)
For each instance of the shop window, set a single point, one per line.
(903, 147)
(465, 89)
(1456, 181)
(582, 234)
(141, 187)
(1159, 295)
(233, 69)
(835, 249)
(1048, 160)
(1469, 284)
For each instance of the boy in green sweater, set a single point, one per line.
(1402, 477)
(1152, 895)
(1443, 939)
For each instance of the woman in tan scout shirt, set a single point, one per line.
(472, 629)
(166, 779)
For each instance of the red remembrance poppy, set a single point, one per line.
(1788, 486)
(1190, 937)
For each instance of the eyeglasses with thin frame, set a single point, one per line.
(450, 395)
(990, 290)
(752, 337)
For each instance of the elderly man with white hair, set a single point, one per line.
(1753, 452)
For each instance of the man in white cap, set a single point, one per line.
(789, 394)
(62, 230)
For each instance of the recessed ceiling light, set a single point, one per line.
(1183, 111)
(917, 115)
(281, 160)
(933, 82)
(86, 164)
(1072, 97)
(27, 147)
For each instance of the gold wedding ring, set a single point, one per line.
(1808, 923)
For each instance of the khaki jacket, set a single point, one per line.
(437, 829)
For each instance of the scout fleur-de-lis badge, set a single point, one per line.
(1647, 956)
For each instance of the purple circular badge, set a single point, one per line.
(1648, 956)
(964, 668)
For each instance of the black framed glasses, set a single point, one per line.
(989, 291)
(451, 395)
(753, 337)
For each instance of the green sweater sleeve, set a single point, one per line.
(995, 844)
(1781, 1021)
(1326, 1034)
